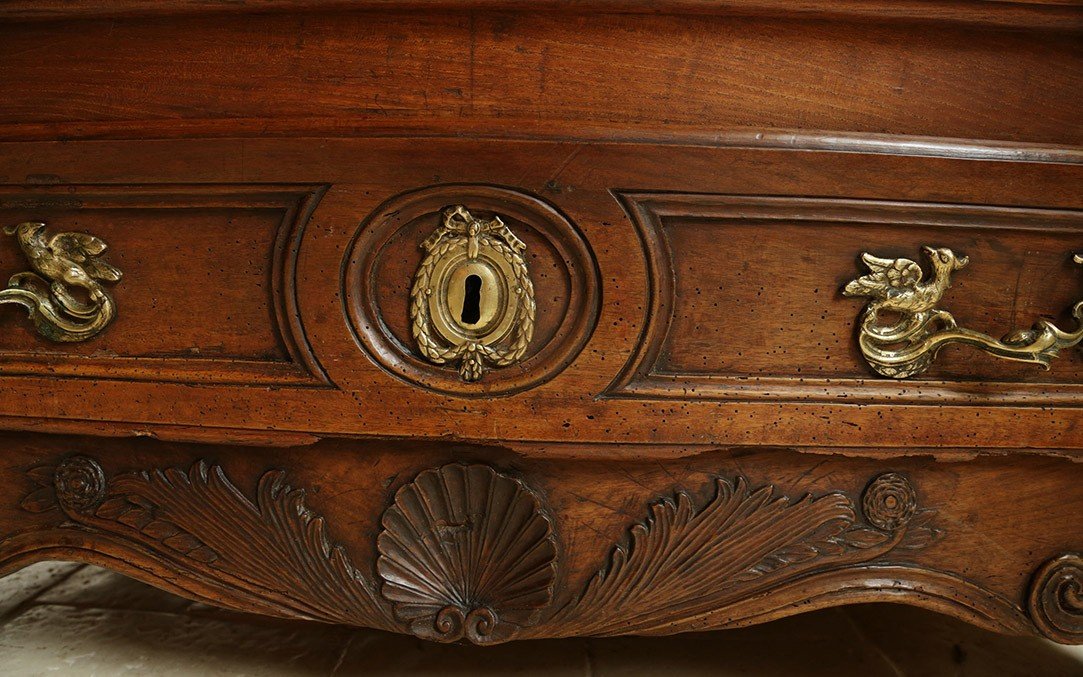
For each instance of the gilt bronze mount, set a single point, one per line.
(62, 264)
(908, 346)
(472, 301)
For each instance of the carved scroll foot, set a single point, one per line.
(1056, 599)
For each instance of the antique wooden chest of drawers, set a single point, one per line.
(488, 320)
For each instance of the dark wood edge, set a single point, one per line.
(1054, 14)
(214, 371)
(664, 386)
(526, 129)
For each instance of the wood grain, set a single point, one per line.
(1006, 13)
(329, 71)
(692, 439)
(297, 532)
(577, 179)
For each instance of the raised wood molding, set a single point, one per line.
(294, 205)
(564, 269)
(654, 214)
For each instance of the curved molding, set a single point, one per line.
(930, 589)
(468, 552)
(559, 331)
(655, 215)
(284, 271)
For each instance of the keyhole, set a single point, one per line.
(471, 300)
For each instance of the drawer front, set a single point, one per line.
(748, 295)
(701, 305)
(206, 282)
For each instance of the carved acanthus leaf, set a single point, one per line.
(468, 552)
(682, 564)
(274, 548)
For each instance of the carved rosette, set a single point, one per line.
(1055, 601)
(889, 502)
(80, 484)
(467, 552)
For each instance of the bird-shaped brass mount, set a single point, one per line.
(908, 344)
(62, 265)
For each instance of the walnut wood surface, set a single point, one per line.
(415, 536)
(305, 72)
(692, 439)
(367, 398)
(1010, 13)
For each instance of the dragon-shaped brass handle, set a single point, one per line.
(907, 346)
(62, 263)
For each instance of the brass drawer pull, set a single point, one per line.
(907, 347)
(472, 300)
(62, 263)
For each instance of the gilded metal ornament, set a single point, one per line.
(472, 300)
(62, 263)
(908, 346)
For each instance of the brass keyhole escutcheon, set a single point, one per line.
(472, 300)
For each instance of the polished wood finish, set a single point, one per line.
(693, 182)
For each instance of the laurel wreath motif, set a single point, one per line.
(473, 354)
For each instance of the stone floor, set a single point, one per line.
(72, 619)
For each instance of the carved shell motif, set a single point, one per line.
(466, 551)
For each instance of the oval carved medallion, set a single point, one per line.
(448, 286)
